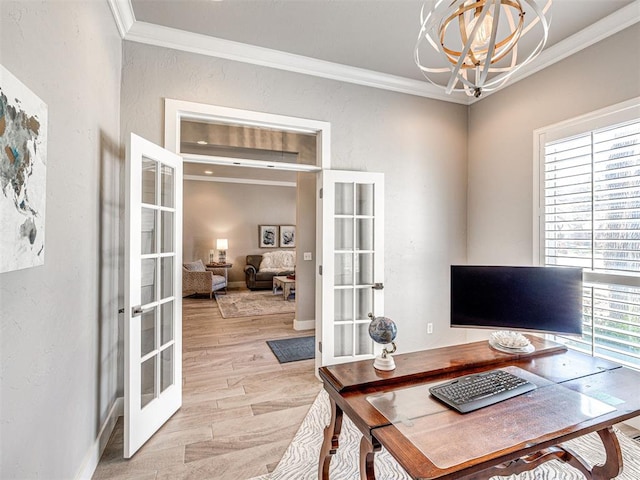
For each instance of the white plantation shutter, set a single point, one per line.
(591, 219)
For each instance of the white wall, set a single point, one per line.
(233, 211)
(59, 321)
(420, 145)
(501, 126)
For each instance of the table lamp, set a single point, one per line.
(222, 244)
(383, 330)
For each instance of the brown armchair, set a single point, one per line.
(197, 279)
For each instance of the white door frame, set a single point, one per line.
(176, 110)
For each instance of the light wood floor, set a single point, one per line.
(241, 408)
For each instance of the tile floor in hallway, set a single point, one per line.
(241, 408)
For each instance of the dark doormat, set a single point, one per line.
(293, 349)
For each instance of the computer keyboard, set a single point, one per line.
(479, 390)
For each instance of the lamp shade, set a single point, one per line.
(222, 244)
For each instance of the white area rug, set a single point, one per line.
(249, 304)
(300, 460)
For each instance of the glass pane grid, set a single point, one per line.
(353, 263)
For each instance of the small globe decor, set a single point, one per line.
(383, 330)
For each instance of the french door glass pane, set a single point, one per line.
(364, 344)
(364, 269)
(343, 304)
(148, 332)
(148, 280)
(364, 303)
(167, 186)
(344, 234)
(166, 241)
(364, 199)
(147, 381)
(149, 168)
(147, 239)
(166, 277)
(343, 269)
(344, 199)
(166, 368)
(364, 234)
(166, 322)
(343, 340)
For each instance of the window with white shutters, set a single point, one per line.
(590, 218)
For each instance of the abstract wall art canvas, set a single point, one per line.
(287, 236)
(267, 236)
(23, 168)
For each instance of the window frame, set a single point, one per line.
(609, 116)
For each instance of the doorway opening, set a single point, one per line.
(247, 144)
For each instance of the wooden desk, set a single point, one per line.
(352, 385)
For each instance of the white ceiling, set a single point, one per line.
(367, 42)
(377, 35)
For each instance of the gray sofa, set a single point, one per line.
(262, 279)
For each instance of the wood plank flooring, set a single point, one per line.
(241, 408)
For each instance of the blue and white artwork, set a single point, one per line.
(23, 168)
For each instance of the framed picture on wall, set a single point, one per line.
(287, 236)
(268, 236)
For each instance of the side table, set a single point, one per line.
(288, 285)
(222, 266)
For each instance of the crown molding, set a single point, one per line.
(132, 30)
(608, 26)
(123, 15)
(168, 37)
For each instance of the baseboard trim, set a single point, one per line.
(91, 459)
(303, 324)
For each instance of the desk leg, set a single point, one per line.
(612, 465)
(368, 452)
(330, 442)
(611, 468)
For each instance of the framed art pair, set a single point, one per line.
(274, 236)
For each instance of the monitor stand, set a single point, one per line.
(510, 342)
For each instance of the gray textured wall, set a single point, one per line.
(419, 144)
(501, 140)
(58, 322)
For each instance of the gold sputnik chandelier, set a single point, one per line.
(477, 41)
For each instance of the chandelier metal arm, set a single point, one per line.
(488, 35)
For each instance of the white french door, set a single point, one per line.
(153, 304)
(352, 263)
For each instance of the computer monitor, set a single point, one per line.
(541, 299)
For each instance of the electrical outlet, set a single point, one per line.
(429, 328)
(307, 256)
